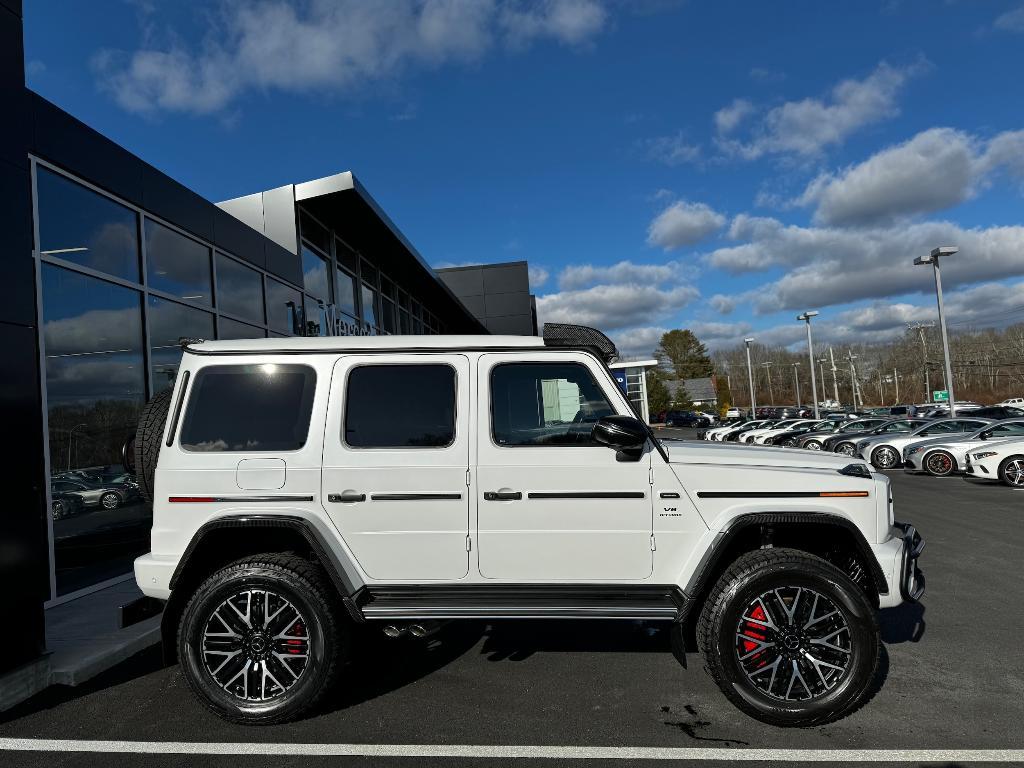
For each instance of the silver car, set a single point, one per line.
(942, 456)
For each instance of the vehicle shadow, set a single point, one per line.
(518, 640)
(379, 665)
(902, 624)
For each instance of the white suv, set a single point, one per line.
(305, 489)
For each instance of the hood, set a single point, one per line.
(693, 452)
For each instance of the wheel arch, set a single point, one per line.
(228, 539)
(834, 538)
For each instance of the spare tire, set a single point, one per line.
(148, 436)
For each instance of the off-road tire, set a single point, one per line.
(148, 437)
(302, 583)
(934, 470)
(1004, 473)
(757, 572)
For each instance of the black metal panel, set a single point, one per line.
(283, 263)
(238, 239)
(15, 130)
(24, 565)
(14, 6)
(170, 200)
(71, 144)
(16, 263)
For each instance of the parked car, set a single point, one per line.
(815, 441)
(1016, 402)
(942, 456)
(716, 433)
(64, 504)
(791, 437)
(781, 586)
(751, 436)
(885, 451)
(105, 496)
(768, 436)
(733, 413)
(733, 435)
(991, 411)
(687, 419)
(1002, 461)
(846, 443)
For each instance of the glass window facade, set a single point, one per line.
(119, 289)
(86, 228)
(239, 289)
(177, 265)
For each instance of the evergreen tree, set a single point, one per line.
(658, 397)
(682, 352)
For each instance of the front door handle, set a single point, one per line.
(503, 495)
(346, 498)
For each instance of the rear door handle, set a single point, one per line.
(346, 498)
(503, 495)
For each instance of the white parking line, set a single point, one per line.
(495, 751)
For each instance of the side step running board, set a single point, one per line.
(652, 603)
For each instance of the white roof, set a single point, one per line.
(330, 343)
(634, 364)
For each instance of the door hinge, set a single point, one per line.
(467, 477)
(650, 475)
(469, 544)
(653, 547)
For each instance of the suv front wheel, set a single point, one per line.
(789, 638)
(260, 641)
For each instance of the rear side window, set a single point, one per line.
(249, 408)
(400, 406)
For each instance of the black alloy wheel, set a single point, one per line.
(261, 640)
(790, 639)
(885, 457)
(939, 463)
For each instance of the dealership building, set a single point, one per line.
(107, 263)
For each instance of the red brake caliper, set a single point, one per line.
(755, 631)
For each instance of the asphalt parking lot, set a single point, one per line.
(953, 676)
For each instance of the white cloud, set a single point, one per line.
(1011, 21)
(569, 21)
(327, 45)
(828, 266)
(728, 118)
(578, 276)
(933, 170)
(638, 342)
(722, 303)
(805, 128)
(671, 150)
(712, 332)
(614, 307)
(683, 224)
(538, 277)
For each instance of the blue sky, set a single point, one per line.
(719, 166)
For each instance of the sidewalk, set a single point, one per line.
(84, 637)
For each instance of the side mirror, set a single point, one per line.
(985, 435)
(624, 434)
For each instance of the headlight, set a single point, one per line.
(984, 455)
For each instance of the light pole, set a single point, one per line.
(821, 370)
(933, 259)
(806, 317)
(853, 377)
(768, 372)
(750, 377)
(835, 375)
(796, 383)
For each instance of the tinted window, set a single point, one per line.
(177, 265)
(249, 408)
(168, 322)
(346, 295)
(400, 406)
(1008, 429)
(940, 428)
(315, 274)
(239, 289)
(545, 404)
(284, 307)
(82, 226)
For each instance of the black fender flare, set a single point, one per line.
(710, 560)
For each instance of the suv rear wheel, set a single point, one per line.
(260, 641)
(789, 638)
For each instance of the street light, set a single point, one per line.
(750, 378)
(933, 259)
(806, 317)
